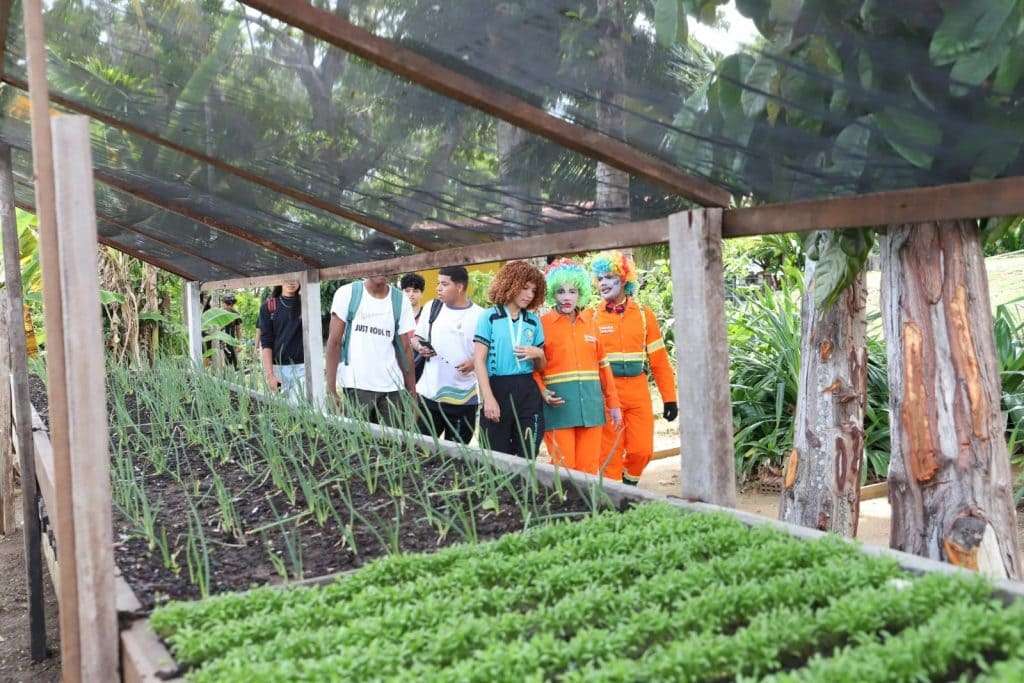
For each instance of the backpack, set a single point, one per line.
(419, 362)
(353, 306)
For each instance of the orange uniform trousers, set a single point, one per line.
(632, 448)
(576, 448)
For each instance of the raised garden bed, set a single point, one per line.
(647, 595)
(214, 491)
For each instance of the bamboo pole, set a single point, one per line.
(7, 521)
(42, 165)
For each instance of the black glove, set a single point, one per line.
(671, 411)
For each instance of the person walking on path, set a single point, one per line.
(444, 338)
(577, 382)
(280, 325)
(509, 346)
(632, 339)
(368, 351)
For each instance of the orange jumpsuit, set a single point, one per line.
(631, 338)
(578, 372)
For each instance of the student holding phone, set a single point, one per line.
(444, 338)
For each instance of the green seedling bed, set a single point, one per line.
(652, 594)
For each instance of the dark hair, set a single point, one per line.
(279, 290)
(414, 280)
(458, 274)
(229, 298)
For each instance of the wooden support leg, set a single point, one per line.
(312, 338)
(194, 323)
(84, 382)
(7, 522)
(705, 408)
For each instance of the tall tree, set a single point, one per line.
(853, 96)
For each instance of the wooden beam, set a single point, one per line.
(86, 400)
(149, 197)
(251, 282)
(5, 20)
(575, 241)
(982, 199)
(23, 412)
(388, 55)
(53, 306)
(312, 339)
(381, 226)
(107, 242)
(194, 323)
(702, 352)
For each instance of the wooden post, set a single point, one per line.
(22, 410)
(194, 323)
(705, 408)
(53, 304)
(86, 402)
(7, 522)
(312, 338)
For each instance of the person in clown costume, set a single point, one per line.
(577, 383)
(630, 335)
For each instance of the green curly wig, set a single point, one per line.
(572, 273)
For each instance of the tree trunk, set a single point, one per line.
(518, 212)
(821, 488)
(949, 476)
(612, 194)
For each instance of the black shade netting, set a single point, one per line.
(222, 80)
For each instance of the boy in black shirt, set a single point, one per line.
(280, 324)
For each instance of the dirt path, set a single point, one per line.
(15, 663)
(662, 476)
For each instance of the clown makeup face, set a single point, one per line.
(610, 287)
(567, 298)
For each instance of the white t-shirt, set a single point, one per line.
(372, 363)
(452, 339)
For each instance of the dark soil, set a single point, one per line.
(238, 564)
(15, 661)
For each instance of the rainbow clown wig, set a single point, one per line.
(566, 272)
(618, 264)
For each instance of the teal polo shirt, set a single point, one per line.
(501, 334)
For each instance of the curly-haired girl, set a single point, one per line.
(509, 345)
(577, 384)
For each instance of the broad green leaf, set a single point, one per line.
(913, 137)
(841, 257)
(152, 316)
(109, 298)
(1010, 70)
(759, 85)
(217, 318)
(670, 22)
(221, 336)
(968, 26)
(972, 69)
(850, 150)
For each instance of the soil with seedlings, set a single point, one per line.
(176, 534)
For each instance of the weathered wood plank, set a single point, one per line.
(969, 201)
(85, 392)
(571, 242)
(251, 282)
(194, 323)
(53, 307)
(312, 339)
(7, 521)
(702, 350)
(144, 659)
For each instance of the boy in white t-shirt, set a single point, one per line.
(444, 336)
(369, 355)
